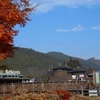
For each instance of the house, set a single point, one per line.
(67, 74)
(59, 73)
(11, 76)
(78, 74)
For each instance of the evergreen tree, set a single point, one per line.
(64, 63)
(74, 63)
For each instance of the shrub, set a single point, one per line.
(64, 95)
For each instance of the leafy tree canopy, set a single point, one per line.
(12, 12)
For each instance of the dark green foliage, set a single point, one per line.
(74, 63)
(4, 67)
(36, 64)
(30, 62)
(64, 63)
(59, 56)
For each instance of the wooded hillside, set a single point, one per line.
(30, 62)
(36, 64)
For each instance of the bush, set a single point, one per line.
(64, 95)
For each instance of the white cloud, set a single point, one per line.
(78, 28)
(47, 5)
(95, 27)
(62, 30)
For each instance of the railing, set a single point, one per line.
(20, 88)
(26, 87)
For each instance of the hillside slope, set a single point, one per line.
(36, 64)
(92, 62)
(30, 62)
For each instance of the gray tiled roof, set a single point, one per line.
(78, 69)
(66, 67)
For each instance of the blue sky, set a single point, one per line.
(68, 26)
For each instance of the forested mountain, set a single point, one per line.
(36, 64)
(92, 62)
(30, 62)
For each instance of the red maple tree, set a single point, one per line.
(12, 12)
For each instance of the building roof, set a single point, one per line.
(12, 80)
(60, 67)
(77, 70)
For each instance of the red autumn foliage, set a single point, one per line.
(12, 13)
(7, 97)
(64, 95)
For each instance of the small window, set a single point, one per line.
(73, 76)
(82, 75)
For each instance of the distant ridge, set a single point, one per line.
(35, 64)
(59, 55)
(92, 62)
